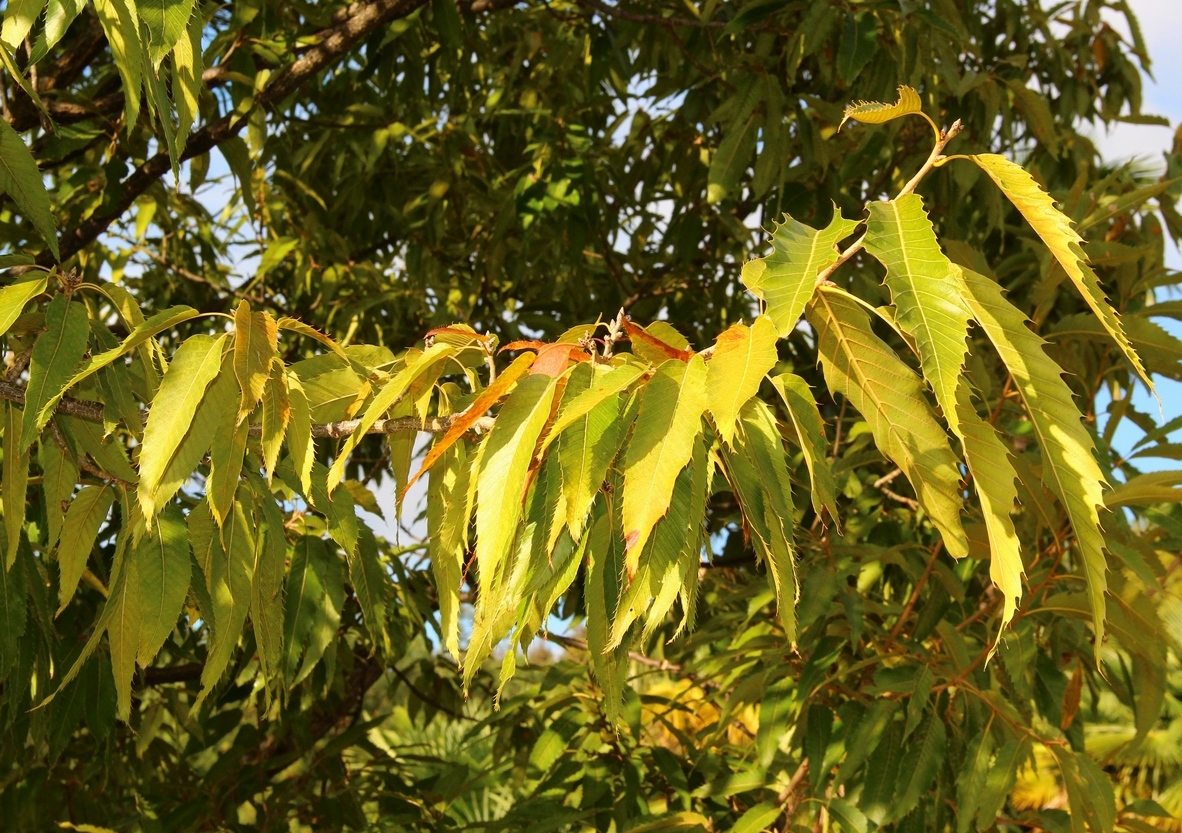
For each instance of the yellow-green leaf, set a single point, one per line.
(276, 414)
(1065, 244)
(587, 447)
(864, 369)
(876, 112)
(500, 483)
(1069, 469)
(21, 180)
(226, 452)
(194, 366)
(55, 355)
(86, 514)
(19, 17)
(670, 417)
(993, 479)
(300, 444)
(14, 297)
(925, 292)
(447, 524)
(121, 25)
(810, 429)
(742, 358)
(579, 402)
(255, 342)
(15, 481)
(787, 278)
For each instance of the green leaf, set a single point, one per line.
(1089, 791)
(267, 578)
(859, 43)
(605, 568)
(21, 180)
(15, 296)
(385, 399)
(579, 402)
(921, 762)
(1069, 470)
(85, 516)
(757, 818)
(226, 558)
(146, 601)
(971, 782)
(300, 444)
(876, 112)
(370, 584)
(787, 278)
(55, 355)
(1000, 780)
(19, 17)
(15, 482)
(731, 159)
(810, 429)
(255, 343)
(166, 22)
(1146, 490)
(670, 417)
(758, 472)
(194, 366)
(140, 334)
(884, 774)
(1065, 244)
(816, 742)
(312, 612)
(59, 14)
(276, 415)
(743, 356)
(14, 616)
(122, 27)
(163, 564)
(889, 396)
(226, 452)
(587, 447)
(59, 476)
(851, 819)
(924, 291)
(187, 69)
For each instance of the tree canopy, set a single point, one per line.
(750, 371)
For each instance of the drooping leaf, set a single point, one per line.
(925, 294)
(226, 452)
(14, 482)
(59, 476)
(579, 402)
(226, 557)
(503, 466)
(921, 761)
(276, 415)
(758, 472)
(875, 112)
(315, 598)
(1147, 489)
(743, 356)
(993, 479)
(121, 25)
(172, 413)
(1000, 780)
(787, 278)
(605, 567)
(733, 156)
(447, 523)
(970, 784)
(1069, 469)
(670, 417)
(266, 583)
(14, 616)
(889, 396)
(86, 514)
(165, 21)
(255, 342)
(370, 585)
(21, 180)
(1065, 244)
(802, 409)
(300, 444)
(587, 447)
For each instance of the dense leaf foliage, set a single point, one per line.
(819, 532)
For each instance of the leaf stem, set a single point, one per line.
(934, 159)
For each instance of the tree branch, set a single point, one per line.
(332, 44)
(91, 411)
